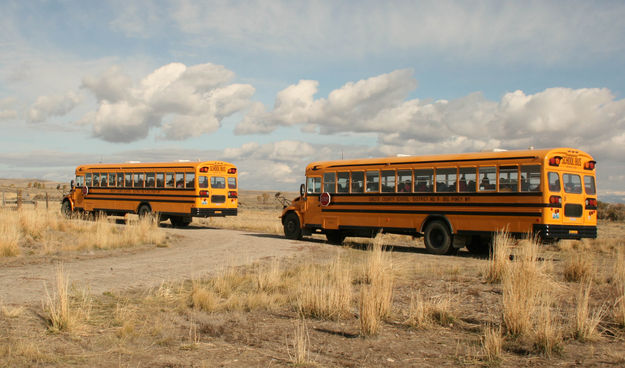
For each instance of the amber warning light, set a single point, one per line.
(555, 161)
(232, 171)
(590, 165)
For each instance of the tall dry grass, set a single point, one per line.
(547, 335)
(10, 235)
(586, 321)
(325, 292)
(499, 257)
(578, 265)
(619, 288)
(492, 344)
(300, 344)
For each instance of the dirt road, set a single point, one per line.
(196, 252)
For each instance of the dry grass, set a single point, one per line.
(418, 312)
(300, 344)
(547, 336)
(492, 344)
(57, 307)
(499, 257)
(10, 235)
(585, 326)
(325, 292)
(578, 265)
(266, 221)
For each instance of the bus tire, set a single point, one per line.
(292, 229)
(144, 211)
(180, 221)
(66, 209)
(335, 237)
(438, 238)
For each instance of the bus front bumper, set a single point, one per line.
(565, 231)
(213, 212)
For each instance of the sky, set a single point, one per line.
(273, 85)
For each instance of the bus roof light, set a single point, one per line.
(555, 161)
(232, 170)
(590, 165)
(204, 169)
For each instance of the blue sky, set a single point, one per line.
(273, 85)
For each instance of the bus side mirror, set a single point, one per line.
(302, 190)
(72, 184)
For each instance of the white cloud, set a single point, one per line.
(186, 101)
(7, 108)
(49, 106)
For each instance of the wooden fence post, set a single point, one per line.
(47, 199)
(3, 200)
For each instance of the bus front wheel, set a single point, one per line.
(438, 238)
(66, 209)
(144, 211)
(292, 229)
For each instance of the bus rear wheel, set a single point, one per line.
(180, 221)
(144, 211)
(335, 237)
(438, 238)
(292, 229)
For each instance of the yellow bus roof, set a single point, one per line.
(152, 165)
(538, 154)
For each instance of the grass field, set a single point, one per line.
(381, 302)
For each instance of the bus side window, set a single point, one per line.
(388, 181)
(149, 180)
(467, 179)
(232, 182)
(530, 178)
(96, 179)
(404, 181)
(80, 181)
(127, 180)
(112, 181)
(179, 180)
(342, 182)
(423, 180)
(160, 180)
(329, 182)
(313, 185)
(104, 179)
(554, 182)
(169, 180)
(373, 181)
(139, 177)
(488, 178)
(190, 180)
(446, 180)
(358, 180)
(120, 179)
(508, 178)
(88, 179)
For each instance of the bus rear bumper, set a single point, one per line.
(565, 231)
(213, 212)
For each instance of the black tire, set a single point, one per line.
(438, 238)
(292, 229)
(479, 245)
(335, 237)
(180, 221)
(66, 209)
(144, 210)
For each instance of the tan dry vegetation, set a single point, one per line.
(252, 315)
(40, 232)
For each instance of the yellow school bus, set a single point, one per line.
(452, 201)
(177, 191)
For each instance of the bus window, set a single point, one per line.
(120, 179)
(218, 182)
(139, 177)
(554, 182)
(232, 183)
(424, 180)
(488, 178)
(388, 181)
(149, 180)
(467, 179)
(190, 180)
(160, 180)
(179, 180)
(572, 183)
(80, 181)
(313, 185)
(342, 182)
(446, 180)
(508, 178)
(202, 182)
(112, 179)
(530, 178)
(128, 180)
(358, 179)
(103, 179)
(404, 181)
(329, 182)
(169, 180)
(96, 179)
(373, 181)
(589, 185)
(88, 179)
